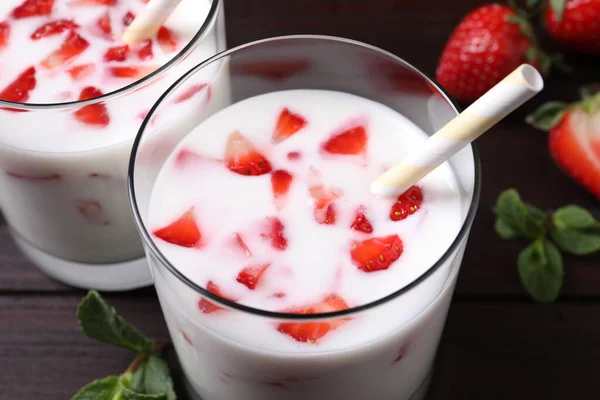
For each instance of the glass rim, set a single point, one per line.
(208, 22)
(146, 237)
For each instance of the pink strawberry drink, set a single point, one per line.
(62, 178)
(266, 204)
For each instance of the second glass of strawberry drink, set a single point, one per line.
(279, 275)
(72, 97)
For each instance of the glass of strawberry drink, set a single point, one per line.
(72, 96)
(279, 275)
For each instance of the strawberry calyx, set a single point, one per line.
(534, 54)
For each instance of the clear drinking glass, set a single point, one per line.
(221, 358)
(68, 211)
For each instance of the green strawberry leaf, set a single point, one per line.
(523, 220)
(541, 270)
(559, 8)
(101, 322)
(100, 389)
(575, 230)
(547, 115)
(152, 377)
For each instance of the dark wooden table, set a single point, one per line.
(497, 344)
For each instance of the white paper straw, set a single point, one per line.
(149, 21)
(510, 93)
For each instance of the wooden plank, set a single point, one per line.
(489, 350)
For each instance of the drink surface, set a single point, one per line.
(56, 51)
(267, 203)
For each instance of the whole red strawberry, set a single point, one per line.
(488, 44)
(574, 24)
(574, 139)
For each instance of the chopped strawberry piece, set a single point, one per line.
(92, 211)
(93, 2)
(80, 72)
(206, 306)
(128, 18)
(145, 50)
(186, 338)
(401, 353)
(104, 24)
(240, 243)
(18, 90)
(287, 125)
(274, 233)
(324, 209)
(281, 181)
(376, 254)
(408, 203)
(50, 177)
(72, 47)
(350, 142)
(117, 53)
(182, 232)
(361, 223)
(293, 156)
(4, 34)
(312, 331)
(136, 72)
(33, 8)
(191, 91)
(166, 39)
(93, 114)
(53, 28)
(250, 275)
(273, 69)
(186, 156)
(278, 295)
(242, 158)
(99, 175)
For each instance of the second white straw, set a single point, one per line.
(149, 21)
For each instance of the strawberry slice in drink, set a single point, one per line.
(281, 181)
(117, 53)
(53, 28)
(92, 2)
(241, 245)
(135, 72)
(80, 72)
(128, 18)
(144, 51)
(182, 232)
(93, 114)
(72, 47)
(288, 124)
(92, 211)
(250, 275)
(407, 204)
(275, 70)
(242, 158)
(324, 208)
(207, 307)
(274, 233)
(361, 223)
(4, 34)
(33, 8)
(376, 254)
(104, 24)
(18, 90)
(350, 142)
(192, 90)
(167, 40)
(311, 332)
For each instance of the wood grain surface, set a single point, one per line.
(497, 343)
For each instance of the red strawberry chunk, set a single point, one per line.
(53, 28)
(376, 254)
(91, 210)
(33, 8)
(93, 2)
(93, 114)
(287, 125)
(145, 50)
(4, 34)
(273, 69)
(192, 90)
(166, 39)
(72, 47)
(350, 142)
(361, 223)
(104, 24)
(242, 158)
(136, 72)
(274, 233)
(208, 307)
(182, 232)
(294, 156)
(18, 90)
(128, 18)
(408, 203)
(26, 177)
(281, 181)
(312, 331)
(239, 242)
(117, 53)
(250, 275)
(324, 209)
(80, 72)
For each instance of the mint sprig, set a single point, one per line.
(146, 378)
(571, 229)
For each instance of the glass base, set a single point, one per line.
(105, 277)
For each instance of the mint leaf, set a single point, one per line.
(575, 230)
(152, 377)
(101, 389)
(505, 231)
(541, 270)
(129, 394)
(523, 220)
(101, 322)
